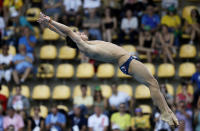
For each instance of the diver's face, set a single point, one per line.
(83, 36)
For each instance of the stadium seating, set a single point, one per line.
(61, 92)
(41, 92)
(4, 91)
(45, 71)
(146, 109)
(49, 35)
(36, 32)
(166, 70)
(67, 53)
(142, 92)
(187, 51)
(120, 74)
(32, 14)
(186, 69)
(129, 48)
(48, 52)
(25, 90)
(105, 71)
(186, 13)
(63, 107)
(43, 111)
(170, 89)
(77, 91)
(106, 91)
(189, 90)
(150, 67)
(126, 89)
(65, 71)
(12, 50)
(85, 70)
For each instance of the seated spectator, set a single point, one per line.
(140, 121)
(150, 19)
(12, 121)
(117, 98)
(2, 24)
(77, 120)
(5, 64)
(23, 64)
(160, 125)
(86, 102)
(121, 118)
(28, 40)
(184, 116)
(171, 19)
(168, 3)
(3, 101)
(166, 43)
(93, 24)
(114, 5)
(184, 96)
(52, 8)
(197, 116)
(1, 118)
(36, 123)
(146, 43)
(167, 95)
(109, 25)
(55, 121)
(195, 23)
(129, 27)
(98, 121)
(99, 100)
(19, 102)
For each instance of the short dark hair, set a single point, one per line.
(83, 86)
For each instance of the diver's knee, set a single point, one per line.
(152, 83)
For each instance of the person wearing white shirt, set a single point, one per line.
(72, 6)
(5, 64)
(129, 26)
(167, 3)
(98, 121)
(88, 4)
(160, 124)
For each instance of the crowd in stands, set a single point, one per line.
(153, 28)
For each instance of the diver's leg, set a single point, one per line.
(141, 73)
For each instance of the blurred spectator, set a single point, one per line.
(5, 64)
(185, 96)
(195, 23)
(140, 121)
(36, 3)
(146, 43)
(13, 121)
(84, 100)
(197, 116)
(52, 8)
(168, 3)
(36, 123)
(166, 40)
(78, 122)
(93, 24)
(98, 121)
(167, 95)
(28, 40)
(3, 101)
(23, 64)
(150, 19)
(1, 118)
(171, 19)
(114, 5)
(55, 121)
(121, 118)
(19, 102)
(160, 125)
(129, 27)
(117, 98)
(2, 24)
(91, 4)
(99, 99)
(184, 116)
(109, 25)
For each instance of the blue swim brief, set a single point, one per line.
(125, 66)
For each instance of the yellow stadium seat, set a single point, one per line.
(126, 89)
(106, 91)
(142, 92)
(65, 71)
(129, 48)
(45, 71)
(186, 13)
(43, 111)
(61, 92)
(150, 67)
(48, 52)
(24, 90)
(32, 14)
(186, 69)
(166, 70)
(62, 107)
(12, 50)
(49, 35)
(146, 109)
(41, 92)
(120, 74)
(4, 91)
(85, 70)
(105, 71)
(189, 90)
(143, 56)
(67, 53)
(75, 29)
(185, 36)
(170, 89)
(77, 91)
(0, 51)
(187, 51)
(36, 32)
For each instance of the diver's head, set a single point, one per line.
(83, 36)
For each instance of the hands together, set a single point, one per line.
(44, 19)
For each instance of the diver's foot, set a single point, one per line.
(170, 118)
